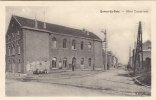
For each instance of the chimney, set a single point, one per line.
(36, 24)
(44, 26)
(87, 32)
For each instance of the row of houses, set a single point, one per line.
(112, 60)
(33, 44)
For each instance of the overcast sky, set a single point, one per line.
(121, 27)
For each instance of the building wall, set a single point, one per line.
(14, 37)
(60, 53)
(146, 54)
(36, 49)
(98, 55)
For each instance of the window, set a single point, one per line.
(73, 44)
(9, 51)
(54, 62)
(54, 42)
(19, 48)
(13, 49)
(89, 45)
(9, 63)
(64, 43)
(18, 33)
(81, 45)
(19, 65)
(12, 34)
(82, 61)
(89, 61)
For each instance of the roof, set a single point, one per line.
(55, 28)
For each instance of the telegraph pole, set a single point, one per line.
(105, 41)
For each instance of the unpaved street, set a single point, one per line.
(113, 82)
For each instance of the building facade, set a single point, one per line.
(112, 60)
(32, 44)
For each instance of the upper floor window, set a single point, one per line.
(54, 42)
(9, 51)
(89, 45)
(64, 43)
(81, 45)
(13, 49)
(73, 44)
(12, 34)
(18, 33)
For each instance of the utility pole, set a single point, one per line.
(105, 41)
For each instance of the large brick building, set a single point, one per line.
(32, 44)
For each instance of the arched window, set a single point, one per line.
(89, 61)
(73, 44)
(64, 43)
(81, 45)
(54, 42)
(89, 45)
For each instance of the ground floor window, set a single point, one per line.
(82, 61)
(89, 61)
(54, 62)
(13, 66)
(19, 65)
(65, 62)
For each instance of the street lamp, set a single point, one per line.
(105, 41)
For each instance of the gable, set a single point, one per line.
(12, 28)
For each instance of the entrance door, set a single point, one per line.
(73, 63)
(54, 62)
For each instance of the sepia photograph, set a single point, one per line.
(73, 49)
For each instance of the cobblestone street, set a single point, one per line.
(79, 83)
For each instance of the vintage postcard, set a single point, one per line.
(78, 49)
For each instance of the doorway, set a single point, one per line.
(54, 62)
(65, 62)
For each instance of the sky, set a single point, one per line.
(121, 27)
